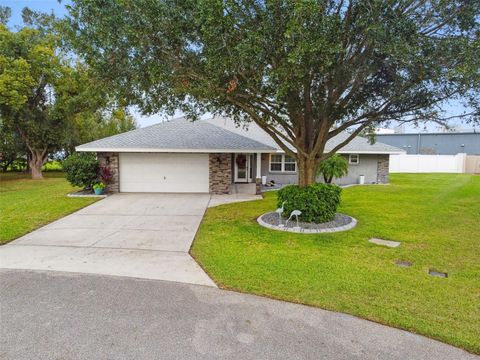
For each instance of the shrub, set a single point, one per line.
(81, 169)
(106, 174)
(318, 202)
(99, 185)
(53, 165)
(335, 166)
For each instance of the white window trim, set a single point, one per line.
(282, 165)
(352, 162)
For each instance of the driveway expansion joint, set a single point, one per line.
(123, 235)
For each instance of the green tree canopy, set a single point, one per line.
(97, 125)
(38, 92)
(48, 98)
(335, 166)
(303, 70)
(11, 147)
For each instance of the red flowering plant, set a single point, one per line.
(106, 174)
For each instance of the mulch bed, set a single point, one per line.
(339, 220)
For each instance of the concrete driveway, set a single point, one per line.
(136, 235)
(53, 315)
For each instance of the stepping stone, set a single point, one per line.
(437, 273)
(389, 243)
(403, 263)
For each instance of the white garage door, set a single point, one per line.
(154, 172)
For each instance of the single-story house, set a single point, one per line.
(215, 156)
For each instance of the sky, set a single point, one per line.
(60, 11)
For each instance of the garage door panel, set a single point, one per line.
(154, 172)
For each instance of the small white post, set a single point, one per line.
(259, 167)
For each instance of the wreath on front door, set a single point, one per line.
(241, 160)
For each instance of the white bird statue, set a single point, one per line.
(280, 211)
(295, 213)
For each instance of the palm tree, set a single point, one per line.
(335, 166)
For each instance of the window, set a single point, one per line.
(276, 163)
(282, 163)
(354, 159)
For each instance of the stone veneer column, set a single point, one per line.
(111, 160)
(220, 171)
(382, 168)
(258, 186)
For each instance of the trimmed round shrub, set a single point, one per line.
(317, 202)
(81, 169)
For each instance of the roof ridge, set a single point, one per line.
(236, 134)
(179, 133)
(135, 130)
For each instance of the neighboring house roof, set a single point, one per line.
(217, 134)
(359, 145)
(179, 135)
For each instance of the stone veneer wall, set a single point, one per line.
(220, 171)
(111, 160)
(258, 186)
(382, 168)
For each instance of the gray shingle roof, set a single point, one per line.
(177, 135)
(215, 134)
(357, 145)
(360, 144)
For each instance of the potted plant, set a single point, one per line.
(98, 188)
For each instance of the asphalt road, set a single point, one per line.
(52, 315)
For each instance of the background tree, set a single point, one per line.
(335, 166)
(46, 96)
(302, 70)
(5, 13)
(87, 127)
(35, 91)
(11, 147)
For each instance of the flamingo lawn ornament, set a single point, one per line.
(295, 213)
(279, 211)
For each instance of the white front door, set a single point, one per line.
(242, 167)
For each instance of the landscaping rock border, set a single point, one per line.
(341, 222)
(83, 194)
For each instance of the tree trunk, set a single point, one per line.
(36, 162)
(307, 171)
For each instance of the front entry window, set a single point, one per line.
(241, 168)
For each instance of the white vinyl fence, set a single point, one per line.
(427, 163)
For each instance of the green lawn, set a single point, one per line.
(435, 216)
(27, 204)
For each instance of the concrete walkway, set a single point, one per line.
(218, 200)
(54, 315)
(136, 235)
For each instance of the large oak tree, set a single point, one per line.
(303, 70)
(41, 91)
(49, 101)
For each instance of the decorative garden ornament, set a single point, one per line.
(280, 211)
(295, 213)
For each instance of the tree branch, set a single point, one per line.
(345, 142)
